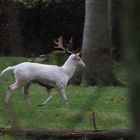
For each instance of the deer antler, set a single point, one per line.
(59, 43)
(68, 46)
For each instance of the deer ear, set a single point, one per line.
(79, 54)
(75, 57)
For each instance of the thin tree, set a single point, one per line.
(97, 45)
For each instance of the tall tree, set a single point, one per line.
(114, 27)
(131, 42)
(3, 28)
(15, 37)
(97, 45)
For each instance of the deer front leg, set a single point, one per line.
(25, 93)
(63, 95)
(48, 99)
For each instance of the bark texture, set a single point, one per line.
(97, 45)
(15, 37)
(115, 134)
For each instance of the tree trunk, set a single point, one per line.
(69, 134)
(4, 50)
(15, 37)
(114, 27)
(97, 45)
(131, 40)
(38, 17)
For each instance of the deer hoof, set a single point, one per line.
(40, 105)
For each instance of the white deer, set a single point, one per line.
(50, 76)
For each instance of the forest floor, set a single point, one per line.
(109, 104)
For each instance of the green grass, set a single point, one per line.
(110, 105)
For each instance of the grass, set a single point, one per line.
(110, 105)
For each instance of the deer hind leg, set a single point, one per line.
(49, 97)
(63, 95)
(25, 93)
(9, 91)
(11, 88)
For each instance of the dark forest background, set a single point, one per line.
(38, 24)
(41, 24)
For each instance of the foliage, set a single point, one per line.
(120, 71)
(7, 137)
(58, 58)
(33, 3)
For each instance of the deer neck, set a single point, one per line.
(69, 68)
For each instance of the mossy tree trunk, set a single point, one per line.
(97, 45)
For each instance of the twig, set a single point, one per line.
(94, 121)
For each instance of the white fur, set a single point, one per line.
(55, 76)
